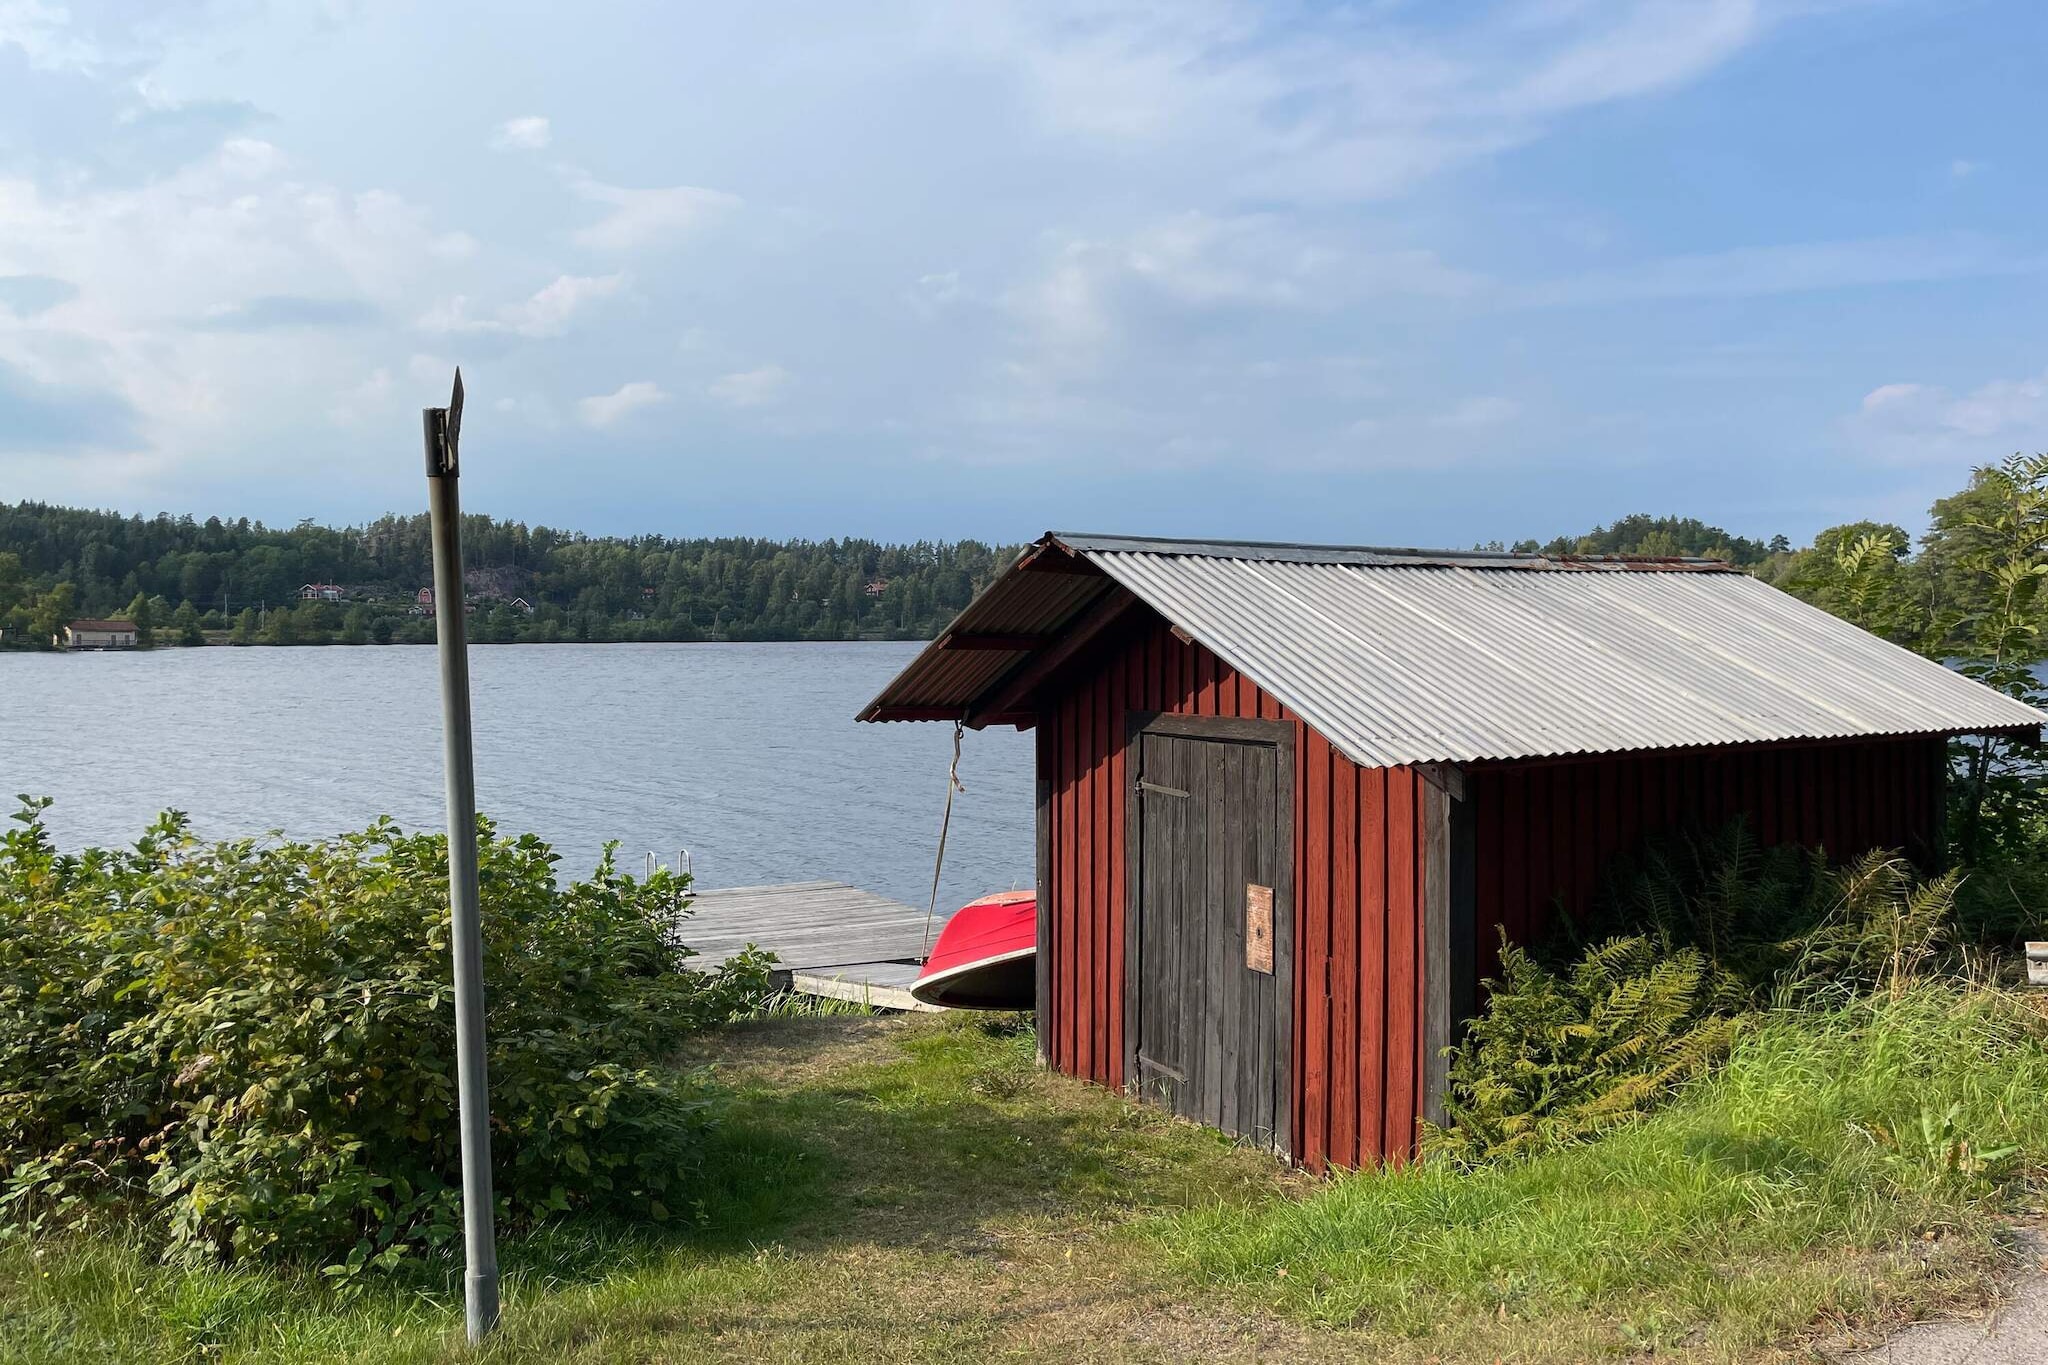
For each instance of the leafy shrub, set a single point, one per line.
(1610, 1018)
(253, 1045)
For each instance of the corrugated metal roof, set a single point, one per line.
(1422, 657)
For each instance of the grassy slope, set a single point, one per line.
(911, 1189)
(1799, 1188)
(907, 1187)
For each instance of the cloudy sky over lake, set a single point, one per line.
(1383, 272)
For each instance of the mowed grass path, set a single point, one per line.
(881, 1189)
(914, 1190)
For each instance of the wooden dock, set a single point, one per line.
(829, 939)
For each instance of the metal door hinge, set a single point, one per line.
(1163, 790)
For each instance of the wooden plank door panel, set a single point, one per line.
(1162, 1063)
(1212, 1028)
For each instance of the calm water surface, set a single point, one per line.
(748, 755)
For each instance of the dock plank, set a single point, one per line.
(830, 939)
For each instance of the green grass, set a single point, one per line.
(798, 1005)
(1821, 1178)
(914, 1189)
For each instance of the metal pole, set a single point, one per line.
(480, 1281)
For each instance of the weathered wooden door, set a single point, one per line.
(1209, 928)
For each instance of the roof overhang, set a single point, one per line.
(982, 670)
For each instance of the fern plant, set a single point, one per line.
(1687, 940)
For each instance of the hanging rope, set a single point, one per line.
(945, 823)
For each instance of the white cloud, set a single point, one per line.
(749, 388)
(530, 133)
(1643, 47)
(432, 369)
(549, 311)
(1962, 169)
(1095, 299)
(608, 409)
(1911, 423)
(1891, 398)
(1359, 102)
(1482, 410)
(152, 267)
(639, 218)
(1791, 268)
(544, 314)
(365, 401)
(934, 293)
(45, 35)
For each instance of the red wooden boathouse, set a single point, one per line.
(1290, 796)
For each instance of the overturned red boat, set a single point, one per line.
(986, 956)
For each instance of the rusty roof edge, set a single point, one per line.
(1378, 556)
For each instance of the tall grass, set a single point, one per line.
(1836, 1157)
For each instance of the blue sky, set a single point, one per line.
(1382, 272)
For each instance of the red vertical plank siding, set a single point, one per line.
(1122, 702)
(1052, 1007)
(1485, 790)
(1088, 928)
(1514, 854)
(1543, 833)
(1314, 879)
(1403, 958)
(1544, 849)
(1609, 831)
(1099, 788)
(1066, 796)
(1416, 1061)
(1846, 797)
(1344, 904)
(1307, 973)
(1371, 991)
(1076, 878)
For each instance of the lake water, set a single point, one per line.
(747, 755)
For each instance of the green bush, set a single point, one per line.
(1615, 1014)
(251, 1046)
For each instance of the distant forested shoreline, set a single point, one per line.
(190, 582)
(241, 582)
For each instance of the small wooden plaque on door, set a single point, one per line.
(1258, 927)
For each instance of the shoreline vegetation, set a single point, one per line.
(186, 582)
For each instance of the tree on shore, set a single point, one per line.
(52, 610)
(144, 617)
(244, 631)
(186, 619)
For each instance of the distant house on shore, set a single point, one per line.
(423, 602)
(96, 635)
(521, 605)
(322, 592)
